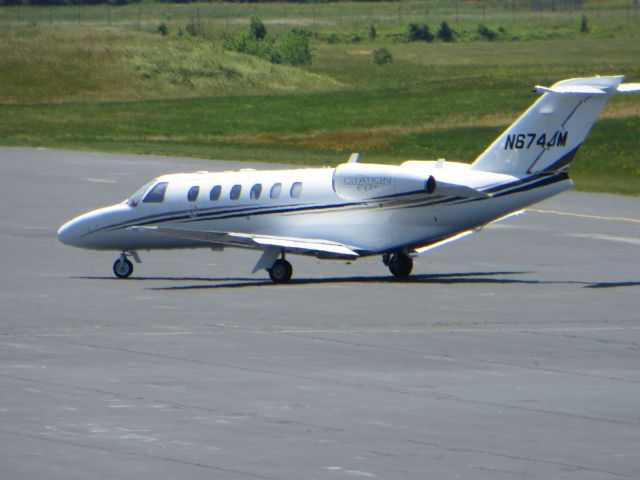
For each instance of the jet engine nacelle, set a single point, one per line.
(362, 181)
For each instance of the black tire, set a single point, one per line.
(400, 265)
(281, 271)
(123, 268)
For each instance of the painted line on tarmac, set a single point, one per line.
(609, 238)
(582, 215)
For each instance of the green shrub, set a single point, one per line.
(163, 29)
(486, 33)
(246, 43)
(294, 48)
(381, 56)
(194, 29)
(445, 33)
(416, 32)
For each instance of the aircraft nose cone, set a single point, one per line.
(72, 232)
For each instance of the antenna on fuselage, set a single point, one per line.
(354, 158)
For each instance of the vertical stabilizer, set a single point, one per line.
(547, 136)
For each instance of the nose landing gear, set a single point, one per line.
(123, 268)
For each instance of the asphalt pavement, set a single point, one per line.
(513, 353)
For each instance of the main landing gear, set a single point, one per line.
(123, 268)
(280, 271)
(400, 264)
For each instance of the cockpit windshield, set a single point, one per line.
(156, 194)
(135, 199)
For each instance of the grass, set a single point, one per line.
(128, 90)
(516, 15)
(51, 65)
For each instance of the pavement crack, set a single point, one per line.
(129, 453)
(357, 385)
(548, 461)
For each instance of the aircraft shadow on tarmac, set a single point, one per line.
(613, 284)
(433, 278)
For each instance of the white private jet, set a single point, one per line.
(355, 209)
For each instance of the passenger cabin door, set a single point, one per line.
(194, 197)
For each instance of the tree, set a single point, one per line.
(257, 29)
(372, 32)
(584, 25)
(445, 33)
(417, 32)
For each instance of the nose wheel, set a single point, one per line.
(123, 268)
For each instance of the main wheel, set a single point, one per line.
(281, 271)
(400, 265)
(123, 268)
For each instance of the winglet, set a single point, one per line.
(354, 158)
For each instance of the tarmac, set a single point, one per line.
(513, 353)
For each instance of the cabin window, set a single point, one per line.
(296, 190)
(192, 195)
(276, 190)
(156, 194)
(214, 194)
(256, 190)
(236, 190)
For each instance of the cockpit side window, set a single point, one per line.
(156, 194)
(192, 195)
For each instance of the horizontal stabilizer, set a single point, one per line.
(629, 88)
(571, 90)
(316, 247)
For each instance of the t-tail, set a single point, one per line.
(547, 136)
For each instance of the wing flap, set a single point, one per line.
(306, 245)
(235, 239)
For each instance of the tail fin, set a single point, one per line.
(547, 136)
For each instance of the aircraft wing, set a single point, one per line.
(316, 247)
(458, 236)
